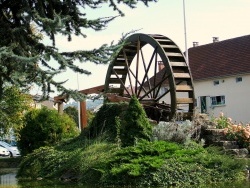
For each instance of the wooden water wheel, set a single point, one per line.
(153, 68)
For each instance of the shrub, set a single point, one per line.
(136, 124)
(82, 163)
(104, 123)
(90, 116)
(121, 123)
(222, 121)
(178, 132)
(160, 163)
(42, 162)
(44, 127)
(233, 131)
(73, 113)
(147, 164)
(239, 133)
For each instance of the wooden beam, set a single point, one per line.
(184, 100)
(117, 98)
(183, 88)
(97, 90)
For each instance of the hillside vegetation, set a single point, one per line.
(118, 148)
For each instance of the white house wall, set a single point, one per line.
(167, 100)
(237, 97)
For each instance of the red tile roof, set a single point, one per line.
(220, 59)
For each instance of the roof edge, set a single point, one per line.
(223, 76)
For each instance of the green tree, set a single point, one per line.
(45, 127)
(73, 113)
(13, 104)
(136, 125)
(25, 58)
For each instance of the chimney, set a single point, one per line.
(160, 65)
(195, 44)
(215, 39)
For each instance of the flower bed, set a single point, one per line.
(237, 132)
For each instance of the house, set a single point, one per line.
(221, 76)
(38, 103)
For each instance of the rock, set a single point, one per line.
(213, 135)
(69, 176)
(240, 153)
(227, 144)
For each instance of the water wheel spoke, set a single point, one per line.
(155, 71)
(137, 63)
(146, 73)
(138, 82)
(163, 79)
(127, 66)
(154, 88)
(167, 91)
(123, 84)
(164, 94)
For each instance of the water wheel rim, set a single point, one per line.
(170, 55)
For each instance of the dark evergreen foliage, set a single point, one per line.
(26, 60)
(136, 125)
(168, 164)
(104, 123)
(120, 122)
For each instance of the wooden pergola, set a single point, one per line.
(59, 100)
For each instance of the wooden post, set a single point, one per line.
(60, 107)
(83, 110)
(84, 118)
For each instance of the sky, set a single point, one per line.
(205, 19)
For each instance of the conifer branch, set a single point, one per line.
(25, 59)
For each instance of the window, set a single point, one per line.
(162, 91)
(218, 100)
(216, 82)
(238, 79)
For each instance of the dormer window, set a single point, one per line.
(238, 79)
(216, 82)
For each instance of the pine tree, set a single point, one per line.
(25, 59)
(136, 125)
